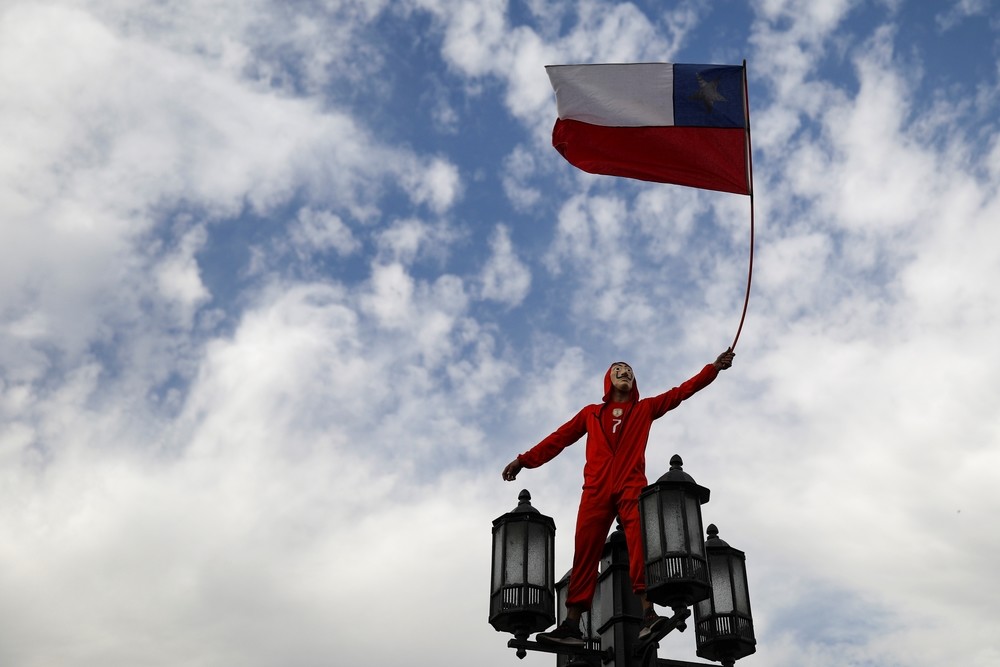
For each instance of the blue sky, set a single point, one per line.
(284, 285)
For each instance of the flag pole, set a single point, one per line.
(746, 111)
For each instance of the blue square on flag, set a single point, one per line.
(708, 96)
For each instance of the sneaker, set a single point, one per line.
(568, 634)
(651, 624)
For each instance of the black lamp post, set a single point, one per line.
(617, 610)
(590, 634)
(681, 570)
(676, 567)
(521, 586)
(723, 624)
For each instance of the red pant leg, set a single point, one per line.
(628, 511)
(593, 521)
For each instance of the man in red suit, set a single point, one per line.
(614, 474)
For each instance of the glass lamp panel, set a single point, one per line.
(562, 590)
(623, 587)
(498, 540)
(550, 558)
(722, 592)
(696, 543)
(651, 526)
(597, 615)
(703, 609)
(514, 545)
(585, 625)
(537, 552)
(607, 599)
(740, 586)
(673, 521)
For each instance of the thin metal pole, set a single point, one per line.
(746, 110)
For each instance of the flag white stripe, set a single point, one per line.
(626, 95)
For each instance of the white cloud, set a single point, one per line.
(668, 217)
(322, 231)
(104, 132)
(520, 170)
(446, 118)
(410, 239)
(808, 20)
(391, 295)
(479, 42)
(436, 183)
(505, 278)
(960, 10)
(619, 33)
(881, 174)
(592, 243)
(555, 385)
(280, 47)
(178, 277)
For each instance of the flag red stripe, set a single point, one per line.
(700, 157)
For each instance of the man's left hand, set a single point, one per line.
(724, 360)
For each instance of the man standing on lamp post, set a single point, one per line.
(613, 476)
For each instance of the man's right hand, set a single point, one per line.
(510, 472)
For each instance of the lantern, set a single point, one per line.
(521, 586)
(724, 626)
(676, 568)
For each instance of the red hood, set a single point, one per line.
(633, 395)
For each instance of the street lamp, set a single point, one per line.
(676, 568)
(682, 570)
(521, 586)
(723, 624)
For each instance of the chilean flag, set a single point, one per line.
(661, 122)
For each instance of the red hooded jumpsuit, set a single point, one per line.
(613, 476)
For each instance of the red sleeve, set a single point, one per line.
(560, 439)
(671, 399)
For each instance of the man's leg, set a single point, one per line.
(628, 512)
(593, 521)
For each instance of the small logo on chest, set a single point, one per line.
(617, 412)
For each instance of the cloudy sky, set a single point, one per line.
(284, 285)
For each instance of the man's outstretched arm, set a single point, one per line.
(549, 448)
(670, 399)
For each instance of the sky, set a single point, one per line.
(284, 286)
